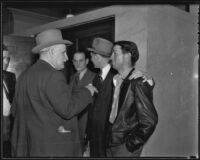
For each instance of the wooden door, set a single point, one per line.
(82, 37)
(20, 53)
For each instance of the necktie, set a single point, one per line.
(77, 78)
(113, 114)
(99, 81)
(5, 89)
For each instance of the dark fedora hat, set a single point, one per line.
(101, 46)
(48, 38)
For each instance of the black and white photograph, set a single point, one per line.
(91, 79)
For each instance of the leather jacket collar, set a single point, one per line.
(127, 77)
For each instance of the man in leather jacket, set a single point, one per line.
(133, 117)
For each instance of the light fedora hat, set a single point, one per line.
(101, 46)
(48, 38)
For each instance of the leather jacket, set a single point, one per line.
(137, 117)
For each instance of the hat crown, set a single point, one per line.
(48, 36)
(102, 46)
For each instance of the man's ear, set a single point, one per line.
(51, 51)
(98, 56)
(129, 54)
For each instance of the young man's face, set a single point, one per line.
(6, 59)
(59, 56)
(95, 60)
(80, 61)
(117, 57)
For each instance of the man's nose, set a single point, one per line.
(78, 63)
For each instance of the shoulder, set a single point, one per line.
(91, 73)
(139, 84)
(13, 76)
(57, 75)
(10, 73)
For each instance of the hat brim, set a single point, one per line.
(37, 48)
(99, 52)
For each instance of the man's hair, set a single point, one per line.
(5, 48)
(81, 52)
(129, 47)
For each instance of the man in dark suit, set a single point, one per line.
(133, 117)
(44, 108)
(81, 78)
(97, 117)
(9, 81)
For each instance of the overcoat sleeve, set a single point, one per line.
(63, 101)
(146, 114)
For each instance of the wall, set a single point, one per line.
(20, 53)
(23, 20)
(167, 42)
(131, 25)
(171, 51)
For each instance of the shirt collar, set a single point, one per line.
(105, 71)
(82, 73)
(117, 79)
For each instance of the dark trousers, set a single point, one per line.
(121, 151)
(6, 149)
(6, 136)
(82, 122)
(97, 145)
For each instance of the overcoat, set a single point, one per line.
(45, 114)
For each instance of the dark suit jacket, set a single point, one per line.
(86, 79)
(137, 117)
(43, 105)
(10, 80)
(83, 115)
(98, 112)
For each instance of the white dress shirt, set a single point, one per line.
(6, 103)
(105, 71)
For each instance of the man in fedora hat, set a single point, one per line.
(99, 111)
(44, 107)
(97, 116)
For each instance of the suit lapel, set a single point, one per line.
(123, 92)
(85, 78)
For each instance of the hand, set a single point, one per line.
(146, 78)
(92, 89)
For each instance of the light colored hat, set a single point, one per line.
(101, 46)
(48, 38)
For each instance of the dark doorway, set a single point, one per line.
(82, 37)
